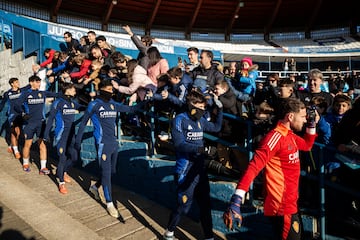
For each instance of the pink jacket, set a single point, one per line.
(161, 67)
(140, 80)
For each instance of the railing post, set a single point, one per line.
(119, 129)
(249, 143)
(152, 131)
(322, 192)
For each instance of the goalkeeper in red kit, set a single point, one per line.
(278, 155)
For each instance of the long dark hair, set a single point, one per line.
(154, 56)
(131, 65)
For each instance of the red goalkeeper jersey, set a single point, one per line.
(278, 154)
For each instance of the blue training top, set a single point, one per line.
(103, 116)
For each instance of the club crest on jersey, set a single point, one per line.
(184, 198)
(61, 150)
(39, 95)
(101, 108)
(112, 107)
(193, 111)
(190, 127)
(103, 157)
(199, 125)
(296, 226)
(72, 105)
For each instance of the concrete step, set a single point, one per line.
(40, 211)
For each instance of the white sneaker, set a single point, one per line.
(169, 236)
(113, 211)
(93, 189)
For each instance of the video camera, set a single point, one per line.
(217, 168)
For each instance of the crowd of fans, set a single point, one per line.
(90, 62)
(92, 59)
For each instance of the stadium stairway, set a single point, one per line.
(31, 207)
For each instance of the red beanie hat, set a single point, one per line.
(248, 60)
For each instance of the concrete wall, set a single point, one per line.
(13, 65)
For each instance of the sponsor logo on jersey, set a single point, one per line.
(194, 136)
(14, 96)
(190, 127)
(35, 101)
(294, 157)
(108, 114)
(69, 111)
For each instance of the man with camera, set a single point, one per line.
(278, 155)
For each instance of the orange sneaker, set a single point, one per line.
(26, 167)
(9, 150)
(17, 155)
(67, 178)
(44, 171)
(62, 189)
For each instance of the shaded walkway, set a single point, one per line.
(32, 208)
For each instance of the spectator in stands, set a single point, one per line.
(278, 154)
(265, 92)
(323, 128)
(106, 48)
(247, 76)
(62, 64)
(207, 72)
(157, 64)
(292, 65)
(286, 65)
(190, 173)
(233, 68)
(84, 66)
(90, 84)
(11, 98)
(142, 44)
(342, 103)
(120, 65)
(97, 53)
(263, 122)
(92, 38)
(315, 80)
(228, 132)
(180, 84)
(72, 45)
(85, 45)
(49, 55)
(103, 112)
(286, 89)
(193, 55)
(138, 80)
